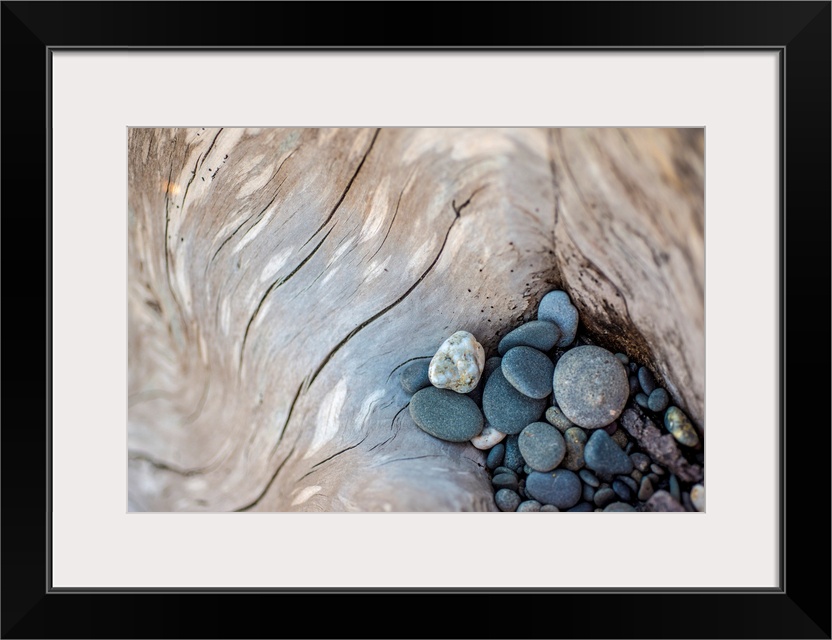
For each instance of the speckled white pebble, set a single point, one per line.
(697, 497)
(488, 438)
(458, 363)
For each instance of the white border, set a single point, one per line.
(97, 95)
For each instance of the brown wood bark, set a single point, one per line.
(278, 279)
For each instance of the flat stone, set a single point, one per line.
(618, 506)
(414, 376)
(560, 487)
(658, 400)
(528, 505)
(505, 481)
(590, 386)
(604, 456)
(446, 415)
(488, 438)
(646, 380)
(495, 457)
(542, 446)
(458, 363)
(680, 427)
(589, 478)
(555, 417)
(604, 496)
(697, 497)
(538, 334)
(505, 408)
(622, 490)
(529, 371)
(556, 307)
(575, 439)
(507, 500)
(513, 458)
(629, 482)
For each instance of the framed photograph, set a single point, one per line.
(243, 224)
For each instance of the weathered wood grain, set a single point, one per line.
(279, 278)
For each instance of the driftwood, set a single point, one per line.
(278, 279)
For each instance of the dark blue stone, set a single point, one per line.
(495, 456)
(604, 456)
(560, 487)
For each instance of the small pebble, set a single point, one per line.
(505, 408)
(488, 438)
(629, 482)
(507, 500)
(588, 493)
(646, 380)
(587, 476)
(603, 455)
(604, 496)
(675, 490)
(556, 307)
(697, 497)
(645, 490)
(658, 400)
(513, 458)
(549, 507)
(662, 501)
(500, 470)
(538, 334)
(622, 490)
(641, 461)
(414, 376)
(642, 399)
(678, 424)
(656, 469)
(446, 415)
(458, 363)
(526, 468)
(590, 386)
(560, 487)
(623, 357)
(618, 506)
(635, 387)
(505, 481)
(541, 445)
(620, 438)
(633, 367)
(495, 456)
(575, 440)
(529, 505)
(581, 507)
(529, 371)
(556, 418)
(636, 475)
(612, 427)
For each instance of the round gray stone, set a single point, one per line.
(604, 456)
(618, 506)
(414, 376)
(542, 446)
(505, 408)
(604, 496)
(528, 505)
(529, 371)
(556, 307)
(495, 456)
(539, 334)
(658, 400)
(549, 507)
(556, 418)
(646, 380)
(506, 499)
(560, 487)
(446, 415)
(590, 386)
(505, 481)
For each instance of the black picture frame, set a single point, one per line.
(799, 608)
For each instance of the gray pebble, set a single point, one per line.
(588, 493)
(604, 456)
(556, 418)
(446, 415)
(641, 461)
(504, 469)
(538, 334)
(646, 380)
(556, 307)
(575, 439)
(642, 399)
(618, 506)
(414, 376)
(635, 387)
(495, 456)
(581, 507)
(629, 482)
(505, 481)
(590, 386)
(541, 445)
(529, 371)
(604, 496)
(507, 500)
(656, 469)
(675, 489)
(513, 458)
(658, 400)
(622, 490)
(529, 505)
(549, 507)
(645, 491)
(636, 475)
(589, 478)
(505, 408)
(623, 357)
(560, 487)
(526, 468)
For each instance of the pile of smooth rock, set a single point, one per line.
(568, 425)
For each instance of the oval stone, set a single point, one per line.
(646, 380)
(560, 488)
(590, 386)
(658, 400)
(678, 424)
(458, 363)
(556, 307)
(542, 446)
(513, 459)
(414, 376)
(697, 497)
(555, 417)
(488, 438)
(538, 334)
(495, 456)
(507, 500)
(575, 440)
(446, 415)
(505, 408)
(529, 371)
